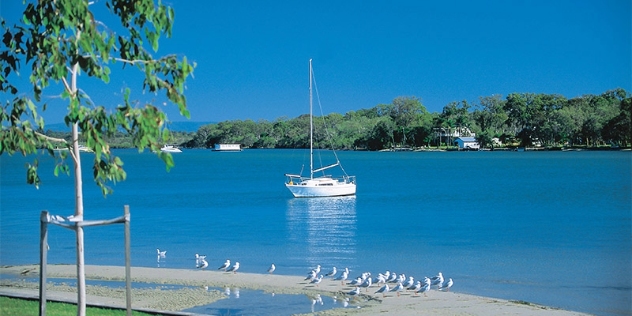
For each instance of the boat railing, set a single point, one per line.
(297, 178)
(349, 179)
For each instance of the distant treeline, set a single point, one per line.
(520, 119)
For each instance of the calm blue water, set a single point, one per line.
(552, 228)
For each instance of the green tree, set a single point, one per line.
(601, 110)
(619, 129)
(381, 136)
(55, 41)
(490, 118)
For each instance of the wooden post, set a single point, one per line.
(77, 226)
(128, 277)
(43, 263)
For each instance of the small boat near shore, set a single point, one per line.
(170, 149)
(82, 148)
(227, 147)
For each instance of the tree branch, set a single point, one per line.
(141, 61)
(133, 62)
(59, 140)
(66, 85)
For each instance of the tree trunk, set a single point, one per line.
(81, 280)
(81, 275)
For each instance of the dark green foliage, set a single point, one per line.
(520, 119)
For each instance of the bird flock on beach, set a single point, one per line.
(387, 282)
(202, 264)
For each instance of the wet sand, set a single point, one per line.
(163, 298)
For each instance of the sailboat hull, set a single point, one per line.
(321, 187)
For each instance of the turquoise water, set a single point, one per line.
(551, 228)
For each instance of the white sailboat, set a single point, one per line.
(319, 186)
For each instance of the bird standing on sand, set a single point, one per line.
(225, 265)
(234, 268)
(354, 292)
(425, 288)
(356, 282)
(332, 272)
(397, 288)
(415, 287)
(401, 278)
(446, 287)
(317, 280)
(408, 283)
(271, 268)
(383, 290)
(437, 280)
(311, 275)
(203, 264)
(366, 284)
(392, 277)
(198, 259)
(380, 279)
(343, 276)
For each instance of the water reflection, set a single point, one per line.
(256, 302)
(322, 231)
(235, 292)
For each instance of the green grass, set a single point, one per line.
(21, 307)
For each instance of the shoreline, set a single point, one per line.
(158, 299)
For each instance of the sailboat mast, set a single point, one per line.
(311, 125)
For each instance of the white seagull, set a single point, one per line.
(437, 280)
(383, 290)
(425, 288)
(203, 264)
(354, 292)
(332, 272)
(357, 281)
(366, 283)
(380, 279)
(343, 276)
(311, 275)
(397, 288)
(317, 280)
(271, 268)
(234, 268)
(198, 259)
(225, 265)
(315, 272)
(401, 278)
(446, 287)
(161, 254)
(410, 282)
(415, 287)
(392, 278)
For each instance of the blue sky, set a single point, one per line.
(252, 56)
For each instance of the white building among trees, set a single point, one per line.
(467, 143)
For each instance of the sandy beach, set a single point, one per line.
(168, 299)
